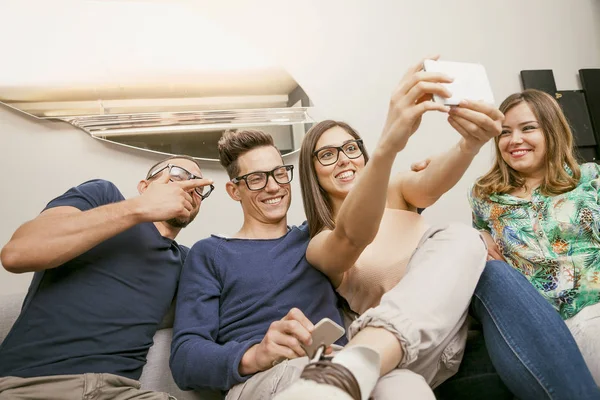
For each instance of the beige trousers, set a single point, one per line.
(585, 328)
(76, 387)
(427, 311)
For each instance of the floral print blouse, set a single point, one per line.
(553, 240)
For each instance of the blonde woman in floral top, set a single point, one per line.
(540, 211)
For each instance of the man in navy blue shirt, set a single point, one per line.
(106, 271)
(247, 302)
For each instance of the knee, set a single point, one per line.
(469, 243)
(499, 277)
(470, 237)
(412, 385)
(498, 271)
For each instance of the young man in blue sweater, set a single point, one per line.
(247, 302)
(106, 271)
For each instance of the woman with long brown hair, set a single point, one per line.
(409, 284)
(539, 210)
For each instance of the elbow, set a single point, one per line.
(11, 259)
(425, 202)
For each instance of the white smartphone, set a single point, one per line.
(326, 333)
(470, 81)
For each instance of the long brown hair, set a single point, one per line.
(559, 150)
(317, 205)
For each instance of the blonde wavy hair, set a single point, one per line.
(501, 178)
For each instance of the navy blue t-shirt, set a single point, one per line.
(98, 312)
(231, 290)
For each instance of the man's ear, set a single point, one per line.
(233, 191)
(142, 186)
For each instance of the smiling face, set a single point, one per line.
(338, 178)
(522, 144)
(270, 204)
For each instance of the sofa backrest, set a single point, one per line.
(156, 374)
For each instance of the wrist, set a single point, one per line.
(468, 148)
(384, 151)
(135, 210)
(248, 364)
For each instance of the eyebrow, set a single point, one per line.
(332, 146)
(522, 123)
(256, 172)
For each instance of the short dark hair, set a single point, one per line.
(161, 162)
(234, 144)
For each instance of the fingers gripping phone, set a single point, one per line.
(326, 332)
(470, 81)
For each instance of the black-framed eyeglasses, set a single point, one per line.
(330, 154)
(258, 180)
(178, 174)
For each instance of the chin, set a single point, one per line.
(181, 222)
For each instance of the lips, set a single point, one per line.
(519, 152)
(273, 200)
(345, 175)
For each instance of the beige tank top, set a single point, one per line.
(383, 263)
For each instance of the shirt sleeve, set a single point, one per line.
(88, 195)
(197, 360)
(478, 207)
(590, 174)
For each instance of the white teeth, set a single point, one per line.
(519, 152)
(273, 201)
(345, 175)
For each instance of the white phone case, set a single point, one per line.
(325, 334)
(470, 81)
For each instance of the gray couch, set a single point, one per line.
(156, 374)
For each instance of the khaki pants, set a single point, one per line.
(76, 387)
(585, 328)
(427, 311)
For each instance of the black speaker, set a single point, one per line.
(590, 80)
(540, 79)
(575, 108)
(587, 154)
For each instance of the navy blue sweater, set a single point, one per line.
(230, 291)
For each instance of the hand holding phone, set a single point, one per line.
(326, 332)
(470, 81)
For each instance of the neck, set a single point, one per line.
(261, 230)
(167, 230)
(336, 205)
(534, 180)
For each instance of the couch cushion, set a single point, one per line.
(10, 307)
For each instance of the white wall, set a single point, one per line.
(347, 55)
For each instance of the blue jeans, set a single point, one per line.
(529, 345)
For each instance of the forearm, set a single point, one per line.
(51, 240)
(444, 171)
(202, 364)
(360, 214)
